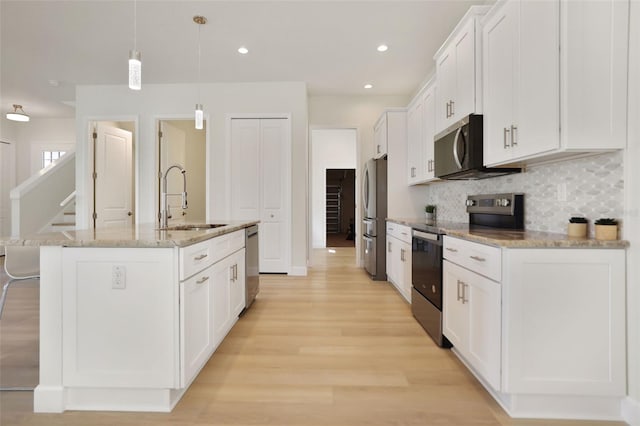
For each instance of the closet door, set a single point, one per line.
(259, 173)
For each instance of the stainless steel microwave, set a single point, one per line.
(458, 152)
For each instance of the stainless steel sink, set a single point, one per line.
(195, 227)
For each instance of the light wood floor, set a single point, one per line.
(332, 348)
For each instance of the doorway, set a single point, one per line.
(113, 171)
(180, 143)
(340, 207)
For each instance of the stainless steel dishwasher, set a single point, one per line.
(252, 267)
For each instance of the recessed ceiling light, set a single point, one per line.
(383, 48)
(368, 86)
(243, 50)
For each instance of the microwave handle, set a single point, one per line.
(455, 148)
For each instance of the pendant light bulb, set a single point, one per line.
(135, 70)
(199, 117)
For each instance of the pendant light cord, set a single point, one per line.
(135, 25)
(199, 61)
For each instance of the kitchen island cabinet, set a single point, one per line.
(128, 317)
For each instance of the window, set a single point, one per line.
(49, 157)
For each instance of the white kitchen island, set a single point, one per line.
(128, 317)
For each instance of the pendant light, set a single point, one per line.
(18, 114)
(200, 20)
(135, 62)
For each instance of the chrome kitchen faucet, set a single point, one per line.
(165, 214)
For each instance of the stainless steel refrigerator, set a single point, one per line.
(374, 200)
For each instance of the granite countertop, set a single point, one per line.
(138, 236)
(508, 238)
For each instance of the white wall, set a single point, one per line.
(631, 227)
(161, 101)
(330, 149)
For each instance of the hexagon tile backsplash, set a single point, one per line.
(593, 188)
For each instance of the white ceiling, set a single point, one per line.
(331, 45)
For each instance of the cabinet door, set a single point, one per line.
(498, 40)
(196, 322)
(465, 74)
(238, 283)
(454, 311)
(428, 131)
(405, 279)
(392, 249)
(446, 74)
(380, 137)
(221, 276)
(536, 122)
(484, 306)
(415, 156)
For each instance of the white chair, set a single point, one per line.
(20, 263)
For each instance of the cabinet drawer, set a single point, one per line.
(196, 257)
(480, 258)
(401, 232)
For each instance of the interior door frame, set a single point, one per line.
(287, 202)
(85, 168)
(207, 138)
(358, 193)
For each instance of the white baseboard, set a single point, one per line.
(48, 399)
(298, 271)
(631, 411)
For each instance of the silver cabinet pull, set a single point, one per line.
(202, 280)
(413, 172)
(514, 130)
(478, 258)
(464, 293)
(452, 108)
(402, 255)
(452, 249)
(378, 148)
(505, 132)
(235, 272)
(389, 247)
(202, 256)
(459, 296)
(233, 275)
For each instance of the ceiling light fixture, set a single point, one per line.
(243, 50)
(383, 48)
(18, 114)
(135, 62)
(368, 86)
(200, 20)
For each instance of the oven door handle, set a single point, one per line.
(455, 148)
(425, 235)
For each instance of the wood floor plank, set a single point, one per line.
(332, 348)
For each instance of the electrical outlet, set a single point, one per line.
(562, 192)
(119, 277)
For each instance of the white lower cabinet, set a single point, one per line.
(472, 319)
(196, 323)
(399, 258)
(548, 341)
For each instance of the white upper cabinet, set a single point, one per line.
(380, 137)
(420, 133)
(553, 87)
(458, 71)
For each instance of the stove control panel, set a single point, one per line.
(496, 210)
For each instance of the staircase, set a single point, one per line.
(46, 201)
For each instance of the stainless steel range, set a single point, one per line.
(486, 212)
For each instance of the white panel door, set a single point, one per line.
(428, 131)
(245, 169)
(173, 151)
(259, 177)
(465, 90)
(114, 172)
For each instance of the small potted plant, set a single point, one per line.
(577, 227)
(430, 212)
(606, 229)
